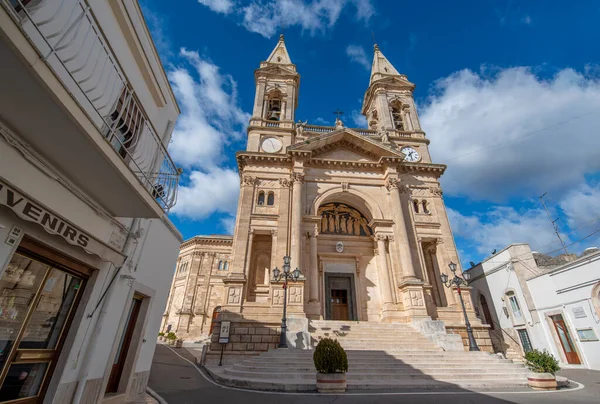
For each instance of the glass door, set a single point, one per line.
(565, 340)
(36, 303)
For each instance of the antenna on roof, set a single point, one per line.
(553, 223)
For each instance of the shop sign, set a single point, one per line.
(31, 211)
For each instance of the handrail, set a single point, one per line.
(68, 37)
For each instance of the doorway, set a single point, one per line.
(124, 344)
(340, 303)
(565, 339)
(38, 298)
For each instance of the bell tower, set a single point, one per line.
(275, 102)
(388, 104)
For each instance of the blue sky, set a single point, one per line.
(508, 93)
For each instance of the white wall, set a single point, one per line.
(562, 291)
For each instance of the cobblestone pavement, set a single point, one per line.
(178, 381)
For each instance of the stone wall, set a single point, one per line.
(481, 334)
(247, 336)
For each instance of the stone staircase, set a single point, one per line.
(380, 356)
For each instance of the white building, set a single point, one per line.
(536, 301)
(86, 250)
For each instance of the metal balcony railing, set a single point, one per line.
(67, 36)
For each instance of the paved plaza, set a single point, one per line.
(177, 380)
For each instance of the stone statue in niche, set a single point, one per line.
(339, 218)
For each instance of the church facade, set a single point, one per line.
(359, 211)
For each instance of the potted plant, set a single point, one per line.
(331, 363)
(543, 367)
(171, 337)
(161, 336)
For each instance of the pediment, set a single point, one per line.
(277, 70)
(342, 153)
(400, 81)
(346, 145)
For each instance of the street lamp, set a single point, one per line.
(458, 281)
(285, 275)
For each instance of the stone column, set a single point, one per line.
(314, 271)
(402, 243)
(383, 273)
(250, 281)
(298, 180)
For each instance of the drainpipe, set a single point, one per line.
(98, 319)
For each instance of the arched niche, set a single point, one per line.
(358, 200)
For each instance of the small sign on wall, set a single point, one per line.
(224, 333)
(579, 312)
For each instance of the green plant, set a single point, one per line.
(161, 334)
(541, 361)
(171, 336)
(330, 357)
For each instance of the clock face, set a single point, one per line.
(271, 145)
(412, 156)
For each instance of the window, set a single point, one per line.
(261, 198)
(425, 207)
(274, 106)
(525, 341)
(223, 265)
(416, 206)
(397, 115)
(220, 265)
(271, 199)
(183, 268)
(126, 124)
(587, 334)
(515, 307)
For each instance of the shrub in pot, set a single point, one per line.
(161, 336)
(543, 366)
(331, 363)
(171, 337)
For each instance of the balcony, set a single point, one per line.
(66, 94)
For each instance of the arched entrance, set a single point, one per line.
(344, 241)
(486, 311)
(215, 316)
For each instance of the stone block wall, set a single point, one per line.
(247, 337)
(481, 334)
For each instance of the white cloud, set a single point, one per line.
(508, 133)
(210, 113)
(218, 6)
(322, 121)
(357, 54)
(359, 120)
(208, 192)
(502, 225)
(267, 17)
(526, 20)
(211, 119)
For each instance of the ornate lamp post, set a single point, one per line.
(458, 281)
(285, 275)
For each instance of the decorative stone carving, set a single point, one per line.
(437, 191)
(247, 180)
(285, 182)
(344, 186)
(278, 297)
(298, 177)
(404, 189)
(234, 295)
(391, 183)
(416, 298)
(295, 294)
(439, 241)
(339, 218)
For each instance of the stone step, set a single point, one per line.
(377, 368)
(440, 376)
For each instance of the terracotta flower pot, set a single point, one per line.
(542, 381)
(331, 382)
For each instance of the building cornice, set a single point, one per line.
(210, 240)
